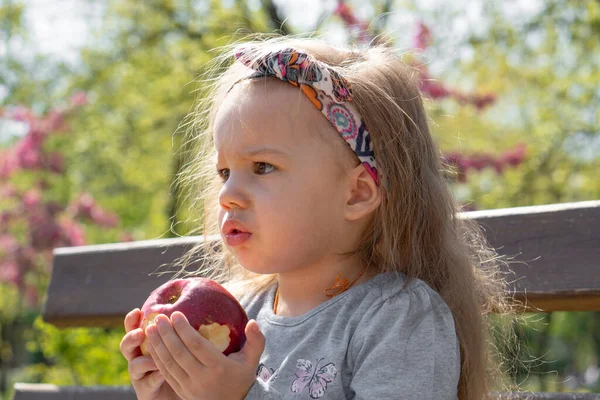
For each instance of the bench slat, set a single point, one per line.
(42, 391)
(560, 244)
(27, 391)
(546, 396)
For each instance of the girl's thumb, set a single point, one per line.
(255, 343)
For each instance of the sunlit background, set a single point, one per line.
(92, 94)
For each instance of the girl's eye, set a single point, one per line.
(260, 168)
(223, 174)
(263, 168)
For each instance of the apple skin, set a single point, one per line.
(208, 306)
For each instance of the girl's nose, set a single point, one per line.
(232, 195)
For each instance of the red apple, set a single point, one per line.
(208, 306)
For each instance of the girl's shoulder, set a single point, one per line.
(397, 309)
(393, 294)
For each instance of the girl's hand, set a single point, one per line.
(194, 368)
(146, 379)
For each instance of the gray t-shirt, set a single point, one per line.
(374, 341)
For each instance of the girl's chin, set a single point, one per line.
(260, 270)
(256, 267)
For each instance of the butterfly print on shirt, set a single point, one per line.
(264, 373)
(314, 379)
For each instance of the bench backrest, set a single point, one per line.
(557, 249)
(557, 246)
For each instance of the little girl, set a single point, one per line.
(341, 240)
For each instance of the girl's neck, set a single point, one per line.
(301, 291)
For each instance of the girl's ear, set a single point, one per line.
(364, 195)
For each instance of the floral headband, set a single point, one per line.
(330, 92)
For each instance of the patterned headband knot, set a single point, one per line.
(327, 90)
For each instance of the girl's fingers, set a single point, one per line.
(201, 349)
(162, 354)
(154, 380)
(132, 319)
(164, 371)
(179, 349)
(130, 345)
(140, 366)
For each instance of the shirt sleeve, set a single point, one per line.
(406, 348)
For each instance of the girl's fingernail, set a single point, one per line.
(178, 319)
(162, 325)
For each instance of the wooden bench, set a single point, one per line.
(558, 244)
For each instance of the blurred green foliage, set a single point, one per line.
(87, 356)
(139, 74)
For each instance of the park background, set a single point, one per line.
(93, 100)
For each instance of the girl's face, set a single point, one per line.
(279, 180)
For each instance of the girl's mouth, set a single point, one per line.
(234, 232)
(236, 237)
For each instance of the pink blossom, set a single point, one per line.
(480, 161)
(464, 163)
(7, 190)
(5, 218)
(86, 208)
(53, 208)
(44, 233)
(55, 120)
(21, 114)
(32, 199)
(423, 37)
(8, 246)
(104, 218)
(10, 273)
(79, 99)
(46, 224)
(498, 166)
(515, 156)
(344, 11)
(27, 152)
(55, 163)
(25, 258)
(451, 158)
(83, 206)
(39, 130)
(437, 90)
(482, 102)
(434, 89)
(8, 164)
(72, 233)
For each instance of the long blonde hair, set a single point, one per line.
(417, 229)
